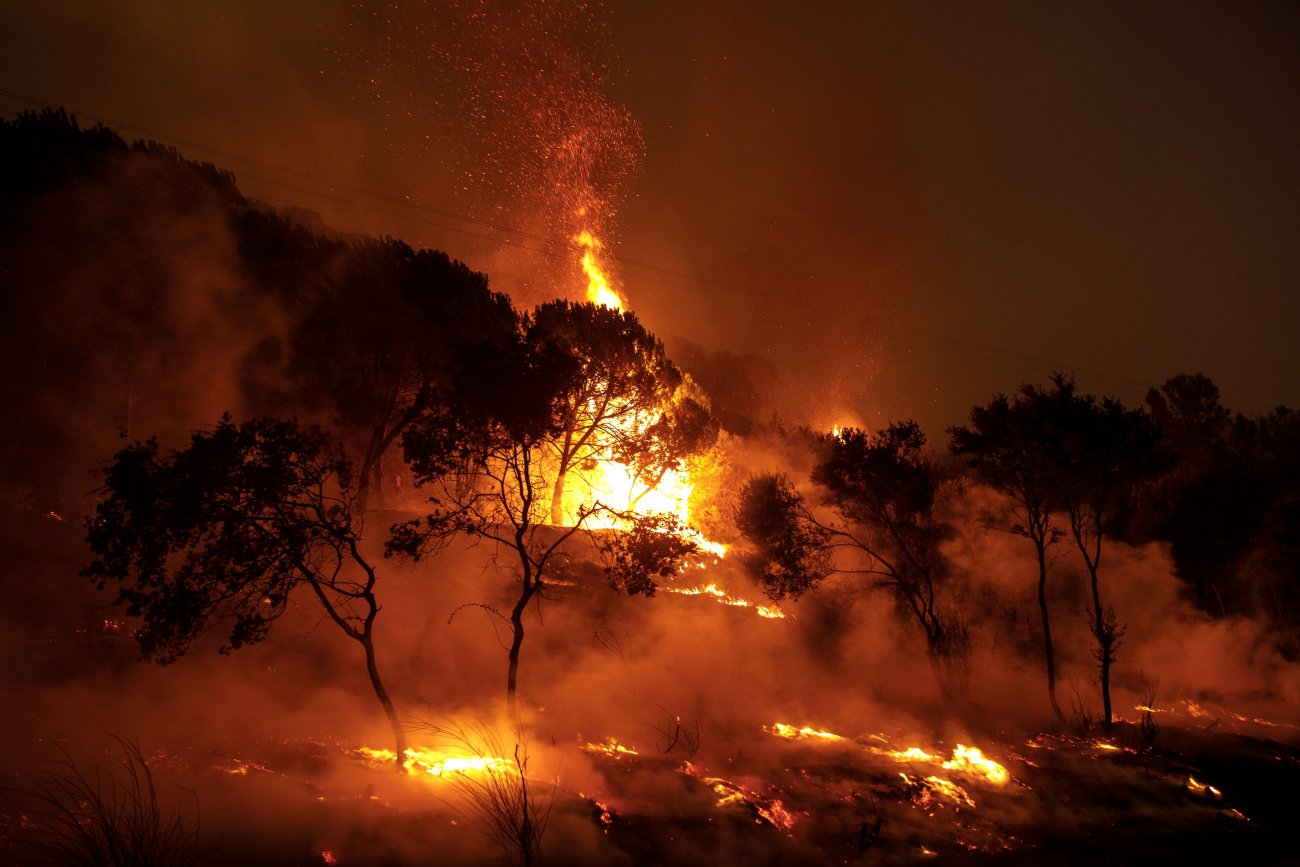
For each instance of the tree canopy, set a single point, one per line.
(220, 534)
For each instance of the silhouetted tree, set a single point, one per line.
(375, 346)
(1212, 498)
(882, 486)
(225, 531)
(1106, 450)
(1013, 445)
(484, 450)
(791, 549)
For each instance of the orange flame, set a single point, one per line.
(421, 762)
(611, 748)
(785, 730)
(715, 592)
(598, 289)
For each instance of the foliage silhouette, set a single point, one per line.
(224, 531)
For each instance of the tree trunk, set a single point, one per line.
(372, 668)
(368, 461)
(1047, 632)
(557, 495)
(561, 473)
(1105, 686)
(1106, 638)
(512, 674)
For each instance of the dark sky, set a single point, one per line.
(905, 207)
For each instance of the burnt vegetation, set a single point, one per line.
(289, 423)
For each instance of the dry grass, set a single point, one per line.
(107, 818)
(508, 806)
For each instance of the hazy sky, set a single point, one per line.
(905, 207)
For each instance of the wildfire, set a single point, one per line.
(420, 761)
(770, 810)
(611, 748)
(598, 289)
(717, 593)
(613, 482)
(926, 789)
(965, 760)
(971, 760)
(785, 730)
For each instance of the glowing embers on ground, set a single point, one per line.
(766, 809)
(1217, 714)
(785, 730)
(1094, 745)
(713, 591)
(966, 760)
(422, 762)
(610, 748)
(926, 792)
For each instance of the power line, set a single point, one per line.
(563, 250)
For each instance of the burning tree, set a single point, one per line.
(882, 487)
(487, 450)
(613, 404)
(226, 530)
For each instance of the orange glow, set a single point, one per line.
(715, 592)
(616, 485)
(785, 730)
(426, 762)
(966, 760)
(928, 788)
(611, 748)
(728, 792)
(598, 289)
(971, 760)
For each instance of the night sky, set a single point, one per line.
(904, 207)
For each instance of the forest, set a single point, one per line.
(364, 563)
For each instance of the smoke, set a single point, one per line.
(129, 317)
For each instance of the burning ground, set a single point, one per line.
(676, 729)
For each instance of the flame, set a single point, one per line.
(421, 762)
(728, 792)
(971, 760)
(966, 760)
(911, 754)
(927, 788)
(615, 484)
(785, 730)
(715, 592)
(598, 288)
(1202, 788)
(610, 747)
